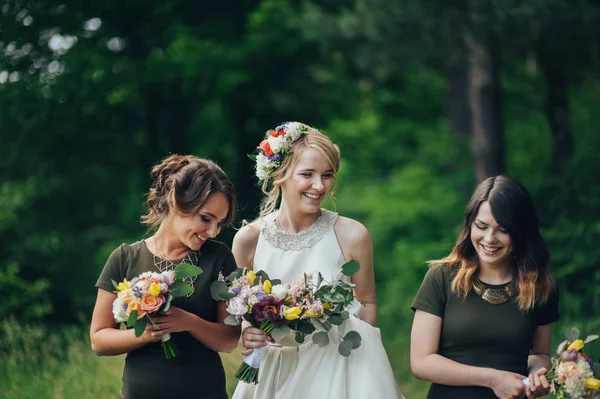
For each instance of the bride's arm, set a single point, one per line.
(356, 244)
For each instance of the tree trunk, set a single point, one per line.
(486, 119)
(558, 115)
(459, 110)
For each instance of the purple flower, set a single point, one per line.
(280, 127)
(236, 290)
(137, 292)
(275, 158)
(260, 296)
(268, 309)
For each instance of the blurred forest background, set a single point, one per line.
(424, 97)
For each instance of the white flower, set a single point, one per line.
(252, 300)
(279, 291)
(278, 143)
(293, 130)
(264, 166)
(236, 306)
(119, 311)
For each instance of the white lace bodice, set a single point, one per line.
(284, 255)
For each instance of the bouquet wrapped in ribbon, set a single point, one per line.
(308, 306)
(572, 373)
(150, 294)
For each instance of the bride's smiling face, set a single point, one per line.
(309, 182)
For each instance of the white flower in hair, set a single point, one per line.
(263, 166)
(277, 143)
(294, 130)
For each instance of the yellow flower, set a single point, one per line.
(310, 313)
(252, 276)
(292, 313)
(154, 289)
(577, 345)
(267, 287)
(592, 383)
(327, 305)
(123, 285)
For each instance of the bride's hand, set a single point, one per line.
(253, 338)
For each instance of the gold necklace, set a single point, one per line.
(163, 264)
(495, 296)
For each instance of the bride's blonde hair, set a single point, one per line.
(313, 138)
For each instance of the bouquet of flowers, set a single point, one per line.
(309, 305)
(149, 294)
(572, 373)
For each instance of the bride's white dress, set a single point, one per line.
(289, 370)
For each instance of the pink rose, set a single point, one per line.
(152, 303)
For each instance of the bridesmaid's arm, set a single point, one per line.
(105, 337)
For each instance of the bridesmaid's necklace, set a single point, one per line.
(163, 264)
(495, 296)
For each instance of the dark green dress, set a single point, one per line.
(477, 333)
(197, 372)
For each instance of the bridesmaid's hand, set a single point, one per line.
(539, 385)
(172, 321)
(253, 338)
(507, 385)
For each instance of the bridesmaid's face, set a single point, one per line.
(310, 181)
(490, 240)
(194, 230)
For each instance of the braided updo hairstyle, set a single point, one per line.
(183, 183)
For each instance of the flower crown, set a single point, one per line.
(275, 147)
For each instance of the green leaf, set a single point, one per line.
(167, 304)
(231, 320)
(350, 268)
(179, 289)
(306, 327)
(345, 348)
(335, 319)
(132, 318)
(590, 338)
(114, 283)
(218, 289)
(318, 324)
(280, 333)
(321, 338)
(252, 157)
(139, 327)
(300, 338)
(185, 270)
(262, 275)
(276, 281)
(345, 315)
(572, 333)
(354, 337)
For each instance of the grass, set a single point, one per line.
(38, 362)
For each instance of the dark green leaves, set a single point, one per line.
(185, 270)
(321, 338)
(350, 268)
(179, 289)
(219, 291)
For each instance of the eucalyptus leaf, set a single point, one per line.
(231, 320)
(217, 289)
(185, 270)
(572, 333)
(320, 338)
(236, 274)
(300, 338)
(139, 327)
(179, 289)
(276, 281)
(590, 338)
(345, 315)
(262, 275)
(335, 320)
(345, 348)
(350, 268)
(307, 328)
(132, 318)
(280, 333)
(354, 337)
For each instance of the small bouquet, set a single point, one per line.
(572, 373)
(149, 294)
(309, 304)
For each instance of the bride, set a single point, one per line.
(297, 166)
